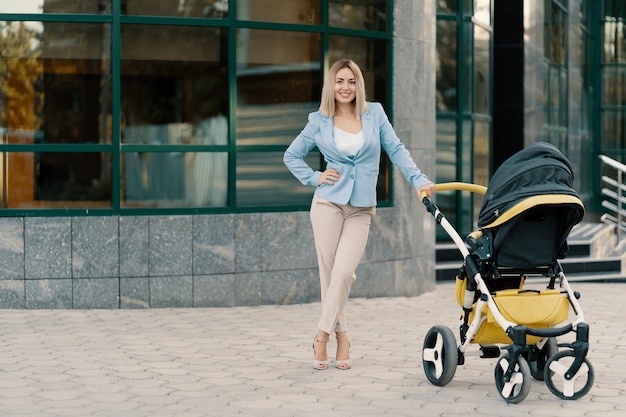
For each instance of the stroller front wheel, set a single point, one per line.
(440, 355)
(564, 388)
(517, 387)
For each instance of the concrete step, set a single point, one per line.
(592, 239)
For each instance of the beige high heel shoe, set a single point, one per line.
(320, 365)
(343, 364)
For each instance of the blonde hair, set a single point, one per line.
(327, 103)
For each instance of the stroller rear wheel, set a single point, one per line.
(517, 387)
(537, 358)
(564, 388)
(440, 355)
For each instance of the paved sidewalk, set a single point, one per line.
(255, 361)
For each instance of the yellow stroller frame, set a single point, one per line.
(526, 321)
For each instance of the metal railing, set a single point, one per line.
(613, 190)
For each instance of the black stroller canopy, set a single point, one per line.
(538, 169)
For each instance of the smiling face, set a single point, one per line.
(345, 86)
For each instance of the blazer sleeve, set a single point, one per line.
(299, 148)
(398, 154)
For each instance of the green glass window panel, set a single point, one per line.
(290, 72)
(271, 124)
(371, 55)
(557, 96)
(583, 11)
(614, 9)
(467, 7)
(482, 70)
(614, 38)
(482, 11)
(447, 6)
(47, 6)
(174, 179)
(563, 101)
(481, 165)
(294, 11)
(558, 137)
(31, 180)
(174, 85)
(553, 95)
(614, 86)
(216, 9)
(359, 14)
(21, 75)
(481, 153)
(544, 92)
(613, 130)
(467, 95)
(446, 165)
(446, 150)
(447, 87)
(50, 93)
(586, 169)
(555, 48)
(264, 181)
(466, 140)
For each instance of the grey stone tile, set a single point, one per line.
(287, 241)
(134, 292)
(170, 245)
(11, 248)
(248, 245)
(376, 279)
(48, 293)
(134, 246)
(173, 291)
(383, 237)
(96, 293)
(95, 247)
(48, 247)
(213, 244)
(12, 294)
(248, 291)
(289, 287)
(214, 290)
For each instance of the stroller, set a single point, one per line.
(527, 212)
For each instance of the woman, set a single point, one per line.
(349, 132)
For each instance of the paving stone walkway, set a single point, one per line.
(255, 361)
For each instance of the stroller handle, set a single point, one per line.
(458, 186)
(461, 186)
(451, 186)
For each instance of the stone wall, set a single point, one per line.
(190, 261)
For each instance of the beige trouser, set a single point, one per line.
(340, 233)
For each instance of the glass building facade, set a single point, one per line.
(511, 73)
(186, 106)
(142, 142)
(159, 125)
(122, 105)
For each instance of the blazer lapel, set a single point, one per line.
(326, 129)
(368, 131)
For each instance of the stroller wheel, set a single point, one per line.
(564, 388)
(537, 358)
(440, 355)
(517, 387)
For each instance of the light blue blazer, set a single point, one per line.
(359, 173)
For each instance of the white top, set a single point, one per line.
(348, 143)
